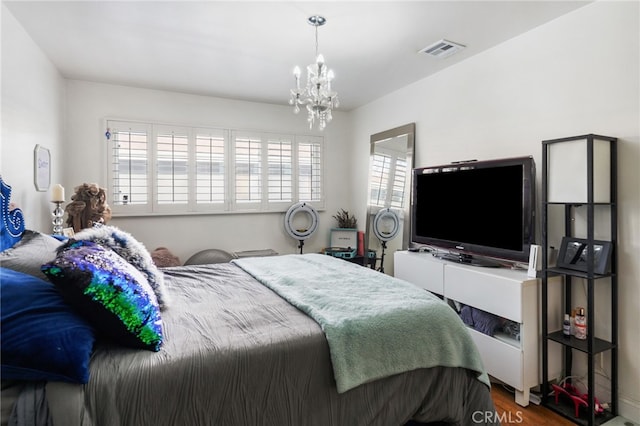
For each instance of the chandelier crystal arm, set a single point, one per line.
(296, 73)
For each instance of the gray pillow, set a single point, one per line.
(30, 253)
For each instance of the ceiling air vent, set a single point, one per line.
(442, 49)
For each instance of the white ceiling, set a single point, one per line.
(247, 50)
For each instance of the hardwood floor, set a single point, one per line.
(511, 413)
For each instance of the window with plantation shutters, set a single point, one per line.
(158, 168)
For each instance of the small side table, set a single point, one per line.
(364, 261)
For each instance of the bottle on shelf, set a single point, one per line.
(566, 326)
(581, 324)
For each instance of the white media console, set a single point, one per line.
(508, 293)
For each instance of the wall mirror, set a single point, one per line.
(390, 165)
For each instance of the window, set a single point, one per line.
(156, 168)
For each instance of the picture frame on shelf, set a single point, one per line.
(573, 255)
(68, 232)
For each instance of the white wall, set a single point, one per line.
(88, 104)
(32, 113)
(575, 75)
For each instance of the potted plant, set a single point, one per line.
(345, 220)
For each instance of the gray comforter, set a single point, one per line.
(235, 353)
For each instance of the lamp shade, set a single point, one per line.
(569, 166)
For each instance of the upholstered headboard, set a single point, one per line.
(12, 220)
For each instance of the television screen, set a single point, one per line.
(482, 207)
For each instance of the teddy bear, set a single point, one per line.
(88, 207)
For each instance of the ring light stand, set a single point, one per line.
(300, 234)
(382, 232)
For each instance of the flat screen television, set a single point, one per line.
(484, 208)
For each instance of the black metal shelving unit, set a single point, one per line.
(592, 345)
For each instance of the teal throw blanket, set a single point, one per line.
(376, 325)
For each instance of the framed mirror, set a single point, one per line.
(389, 188)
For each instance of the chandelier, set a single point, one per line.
(317, 95)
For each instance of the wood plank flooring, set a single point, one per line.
(511, 413)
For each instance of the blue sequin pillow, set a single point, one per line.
(41, 336)
(109, 292)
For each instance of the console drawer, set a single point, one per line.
(492, 292)
(501, 360)
(420, 269)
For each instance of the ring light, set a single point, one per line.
(300, 234)
(380, 227)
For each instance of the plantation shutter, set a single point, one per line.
(248, 169)
(309, 169)
(279, 164)
(171, 168)
(128, 172)
(210, 167)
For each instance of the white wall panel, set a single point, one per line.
(32, 113)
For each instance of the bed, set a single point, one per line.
(248, 343)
